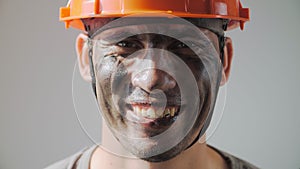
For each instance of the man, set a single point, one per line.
(155, 67)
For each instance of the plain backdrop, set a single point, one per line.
(38, 123)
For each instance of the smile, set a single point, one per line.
(154, 113)
(147, 113)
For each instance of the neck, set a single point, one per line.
(198, 156)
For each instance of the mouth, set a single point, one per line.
(149, 114)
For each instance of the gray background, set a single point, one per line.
(38, 124)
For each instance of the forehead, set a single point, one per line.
(93, 25)
(157, 30)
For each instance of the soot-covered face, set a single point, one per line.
(156, 85)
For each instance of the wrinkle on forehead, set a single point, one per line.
(152, 28)
(179, 31)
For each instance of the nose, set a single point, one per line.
(150, 79)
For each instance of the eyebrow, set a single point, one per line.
(116, 35)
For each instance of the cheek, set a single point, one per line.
(207, 73)
(104, 70)
(200, 73)
(112, 81)
(207, 77)
(119, 76)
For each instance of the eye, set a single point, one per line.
(182, 45)
(128, 44)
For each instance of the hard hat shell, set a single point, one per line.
(226, 9)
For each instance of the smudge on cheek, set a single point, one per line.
(104, 69)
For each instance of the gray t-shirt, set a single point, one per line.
(81, 160)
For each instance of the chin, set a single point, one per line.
(150, 151)
(147, 154)
(164, 156)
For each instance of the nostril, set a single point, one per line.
(144, 80)
(170, 82)
(153, 79)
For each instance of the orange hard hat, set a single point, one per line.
(226, 9)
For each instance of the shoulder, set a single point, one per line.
(69, 162)
(237, 163)
(233, 161)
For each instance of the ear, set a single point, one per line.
(228, 54)
(83, 57)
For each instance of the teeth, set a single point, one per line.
(151, 113)
(159, 113)
(172, 112)
(138, 109)
(166, 112)
(144, 113)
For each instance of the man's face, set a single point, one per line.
(156, 85)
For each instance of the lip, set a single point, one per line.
(154, 102)
(163, 121)
(138, 96)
